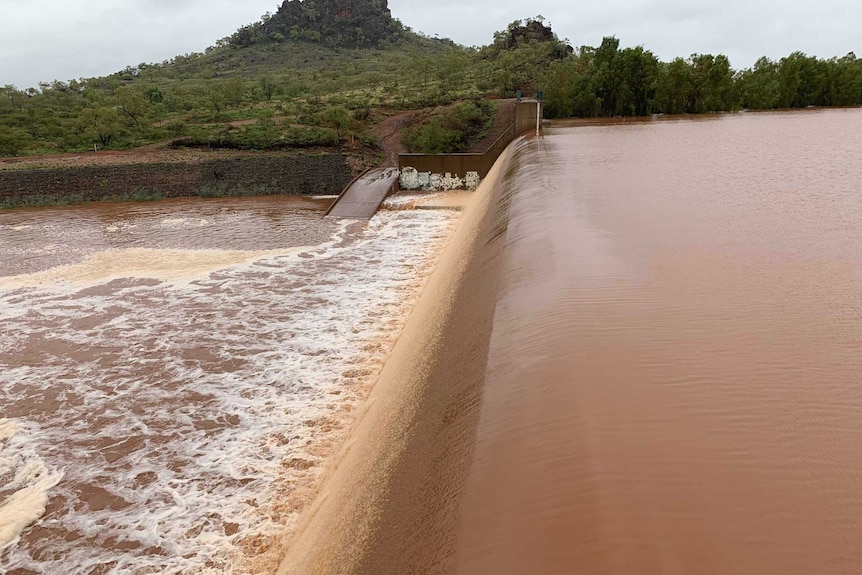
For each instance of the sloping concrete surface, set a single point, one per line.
(363, 197)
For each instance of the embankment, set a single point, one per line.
(320, 174)
(391, 502)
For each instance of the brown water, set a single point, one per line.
(675, 373)
(174, 375)
(40, 239)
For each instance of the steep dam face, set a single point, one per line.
(639, 354)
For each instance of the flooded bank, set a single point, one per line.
(175, 375)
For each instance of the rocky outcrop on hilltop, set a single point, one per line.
(344, 23)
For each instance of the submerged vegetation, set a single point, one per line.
(609, 81)
(318, 75)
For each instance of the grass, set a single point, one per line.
(138, 194)
(43, 200)
(221, 190)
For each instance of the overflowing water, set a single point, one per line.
(174, 375)
(674, 381)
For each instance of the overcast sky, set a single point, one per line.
(43, 40)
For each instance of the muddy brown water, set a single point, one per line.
(674, 380)
(175, 375)
(33, 240)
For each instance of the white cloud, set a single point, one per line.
(42, 40)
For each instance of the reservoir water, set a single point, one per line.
(674, 379)
(175, 375)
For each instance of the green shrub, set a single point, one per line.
(260, 137)
(176, 127)
(13, 141)
(140, 194)
(42, 200)
(212, 190)
(454, 129)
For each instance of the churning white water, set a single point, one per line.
(174, 375)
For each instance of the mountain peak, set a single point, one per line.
(345, 23)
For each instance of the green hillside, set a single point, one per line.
(258, 88)
(323, 73)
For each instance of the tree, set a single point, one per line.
(154, 95)
(451, 70)
(712, 87)
(637, 71)
(609, 85)
(216, 97)
(338, 118)
(13, 141)
(11, 95)
(132, 103)
(561, 85)
(234, 91)
(267, 85)
(422, 68)
(760, 85)
(844, 81)
(101, 123)
(801, 81)
(674, 87)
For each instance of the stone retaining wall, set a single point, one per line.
(295, 174)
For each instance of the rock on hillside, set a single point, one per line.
(346, 23)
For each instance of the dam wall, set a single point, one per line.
(324, 174)
(526, 113)
(391, 498)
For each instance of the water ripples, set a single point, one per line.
(674, 371)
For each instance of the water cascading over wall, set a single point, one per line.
(392, 499)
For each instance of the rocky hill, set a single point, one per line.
(335, 23)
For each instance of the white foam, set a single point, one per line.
(275, 349)
(406, 200)
(29, 484)
(120, 226)
(161, 264)
(8, 428)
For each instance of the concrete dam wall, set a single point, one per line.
(392, 501)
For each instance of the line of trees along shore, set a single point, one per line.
(609, 81)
